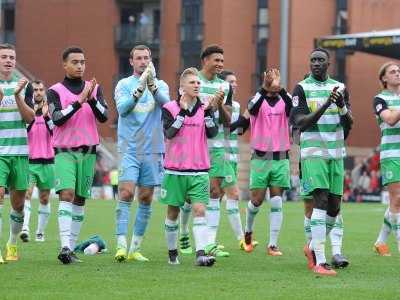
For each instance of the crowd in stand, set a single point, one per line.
(364, 178)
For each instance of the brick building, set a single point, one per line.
(176, 30)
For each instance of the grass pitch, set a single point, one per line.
(39, 275)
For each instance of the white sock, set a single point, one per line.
(336, 236)
(43, 217)
(318, 233)
(78, 214)
(171, 233)
(27, 215)
(186, 210)
(136, 242)
(395, 220)
(64, 222)
(386, 228)
(232, 208)
(212, 216)
(307, 229)
(330, 222)
(16, 222)
(275, 220)
(121, 242)
(251, 213)
(200, 233)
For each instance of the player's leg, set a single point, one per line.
(173, 193)
(308, 208)
(316, 181)
(4, 181)
(126, 191)
(336, 236)
(17, 198)
(279, 180)
(394, 210)
(2, 192)
(43, 214)
(143, 214)
(257, 196)
(184, 240)
(171, 234)
(213, 208)
(65, 184)
(85, 173)
(259, 174)
(216, 174)
(275, 220)
(24, 234)
(319, 231)
(18, 185)
(380, 245)
(231, 190)
(150, 175)
(232, 208)
(198, 188)
(45, 184)
(338, 260)
(128, 176)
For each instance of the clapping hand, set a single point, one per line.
(20, 86)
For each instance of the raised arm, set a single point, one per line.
(301, 116)
(389, 116)
(24, 103)
(99, 106)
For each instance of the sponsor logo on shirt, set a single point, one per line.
(295, 101)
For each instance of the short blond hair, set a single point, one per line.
(382, 71)
(187, 72)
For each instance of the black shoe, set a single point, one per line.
(173, 257)
(74, 258)
(24, 236)
(339, 261)
(205, 261)
(65, 256)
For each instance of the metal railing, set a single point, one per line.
(128, 35)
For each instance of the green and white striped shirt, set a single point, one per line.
(326, 138)
(390, 135)
(207, 89)
(13, 133)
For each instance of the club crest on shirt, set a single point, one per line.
(163, 193)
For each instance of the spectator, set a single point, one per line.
(374, 162)
(114, 182)
(364, 182)
(374, 182)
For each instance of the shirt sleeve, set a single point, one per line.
(242, 124)
(57, 113)
(287, 98)
(299, 103)
(162, 94)
(211, 125)
(379, 105)
(229, 97)
(255, 103)
(29, 95)
(125, 102)
(99, 106)
(172, 125)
